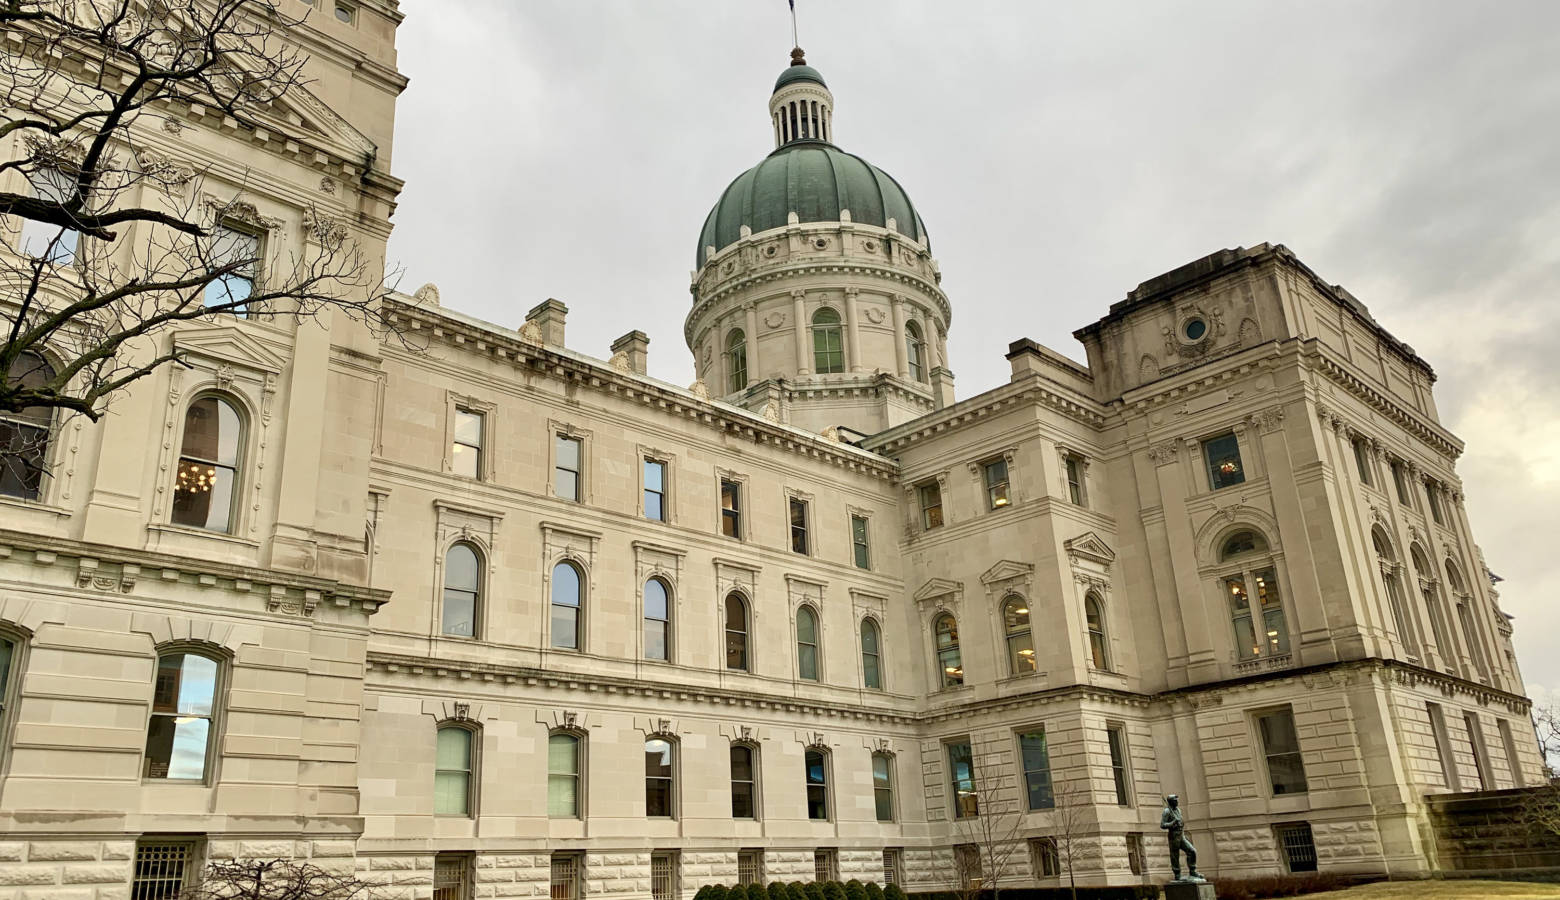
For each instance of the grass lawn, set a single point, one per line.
(1458, 889)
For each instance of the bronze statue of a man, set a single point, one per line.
(1174, 823)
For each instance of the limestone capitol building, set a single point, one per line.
(481, 615)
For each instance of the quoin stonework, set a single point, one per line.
(479, 614)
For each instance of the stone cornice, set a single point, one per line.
(995, 401)
(503, 675)
(1337, 371)
(132, 566)
(469, 337)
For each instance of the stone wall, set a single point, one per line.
(1484, 832)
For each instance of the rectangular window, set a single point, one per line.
(1116, 737)
(1433, 497)
(966, 861)
(41, 239)
(744, 783)
(1075, 480)
(1268, 615)
(1036, 761)
(1481, 754)
(961, 780)
(996, 475)
(566, 876)
(750, 866)
(1298, 847)
(655, 490)
(1362, 460)
(930, 495)
(663, 876)
(466, 452)
(731, 509)
(860, 547)
(1510, 746)
(567, 472)
(1043, 857)
(1281, 746)
(883, 787)
(798, 510)
(1135, 852)
(893, 865)
(452, 876)
(238, 253)
(1400, 481)
(161, 867)
(826, 865)
(1222, 455)
(1443, 746)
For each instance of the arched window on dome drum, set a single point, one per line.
(736, 361)
(828, 342)
(566, 606)
(949, 663)
(1094, 617)
(736, 633)
(462, 590)
(871, 655)
(807, 643)
(1392, 580)
(24, 436)
(206, 484)
(1020, 639)
(915, 351)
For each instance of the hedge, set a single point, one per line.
(1085, 892)
(855, 890)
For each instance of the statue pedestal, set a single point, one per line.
(1190, 890)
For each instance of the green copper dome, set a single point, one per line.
(802, 72)
(815, 180)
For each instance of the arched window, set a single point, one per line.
(883, 786)
(24, 436)
(658, 621)
(736, 633)
(1243, 542)
(871, 655)
(10, 660)
(566, 606)
(453, 769)
(736, 361)
(659, 785)
(949, 663)
(1392, 580)
(817, 765)
(744, 783)
(915, 351)
(807, 643)
(184, 708)
(563, 776)
(1094, 617)
(1020, 640)
(206, 485)
(1434, 608)
(1260, 630)
(828, 342)
(1459, 590)
(462, 590)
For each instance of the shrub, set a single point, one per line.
(872, 891)
(1264, 886)
(855, 890)
(814, 891)
(797, 890)
(717, 892)
(737, 892)
(894, 892)
(833, 890)
(702, 893)
(776, 891)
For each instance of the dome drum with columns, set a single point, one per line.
(816, 295)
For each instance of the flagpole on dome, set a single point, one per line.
(795, 41)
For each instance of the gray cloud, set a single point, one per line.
(1059, 154)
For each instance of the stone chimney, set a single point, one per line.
(548, 316)
(635, 346)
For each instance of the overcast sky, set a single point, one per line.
(1060, 154)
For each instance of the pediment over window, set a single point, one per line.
(938, 587)
(1006, 570)
(1089, 546)
(228, 345)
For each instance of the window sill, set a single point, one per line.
(34, 505)
(218, 536)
